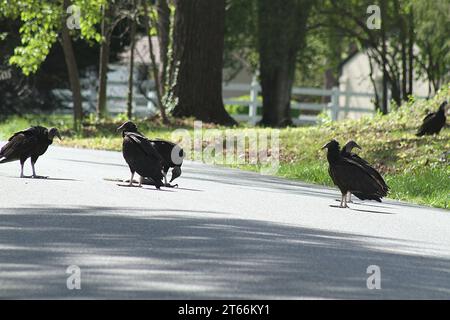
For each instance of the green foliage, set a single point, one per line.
(241, 35)
(38, 33)
(41, 23)
(90, 18)
(432, 36)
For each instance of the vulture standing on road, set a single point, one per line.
(173, 158)
(29, 143)
(141, 155)
(433, 122)
(347, 153)
(351, 176)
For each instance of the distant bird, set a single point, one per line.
(351, 176)
(347, 153)
(140, 155)
(173, 158)
(30, 143)
(433, 122)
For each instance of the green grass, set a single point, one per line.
(412, 166)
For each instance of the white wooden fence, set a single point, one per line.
(308, 111)
(333, 107)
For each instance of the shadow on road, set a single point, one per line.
(178, 254)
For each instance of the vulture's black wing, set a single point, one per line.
(145, 145)
(19, 144)
(352, 176)
(426, 124)
(370, 170)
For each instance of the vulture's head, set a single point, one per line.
(52, 133)
(350, 145)
(442, 107)
(127, 127)
(332, 145)
(176, 172)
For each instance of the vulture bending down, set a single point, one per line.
(141, 155)
(172, 155)
(351, 176)
(433, 122)
(347, 153)
(29, 143)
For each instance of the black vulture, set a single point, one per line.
(29, 143)
(351, 176)
(141, 155)
(433, 122)
(347, 152)
(173, 157)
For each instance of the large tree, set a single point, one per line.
(198, 42)
(432, 30)
(282, 31)
(44, 23)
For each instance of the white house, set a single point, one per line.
(355, 77)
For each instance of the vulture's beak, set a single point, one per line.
(59, 136)
(176, 172)
(120, 128)
(357, 146)
(324, 146)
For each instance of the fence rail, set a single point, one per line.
(333, 107)
(308, 111)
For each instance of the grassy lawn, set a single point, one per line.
(415, 168)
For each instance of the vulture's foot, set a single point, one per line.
(39, 177)
(129, 185)
(168, 185)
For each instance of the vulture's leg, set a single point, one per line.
(345, 201)
(35, 176)
(141, 179)
(34, 170)
(21, 168)
(165, 177)
(166, 184)
(342, 200)
(131, 179)
(349, 197)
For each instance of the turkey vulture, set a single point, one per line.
(347, 153)
(433, 122)
(29, 143)
(172, 155)
(140, 155)
(351, 176)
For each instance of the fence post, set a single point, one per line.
(334, 104)
(253, 106)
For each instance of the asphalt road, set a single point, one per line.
(223, 234)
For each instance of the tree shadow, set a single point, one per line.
(180, 254)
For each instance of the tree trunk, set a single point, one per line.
(131, 66)
(159, 85)
(104, 60)
(374, 84)
(410, 51)
(198, 42)
(72, 70)
(384, 104)
(163, 27)
(403, 48)
(281, 34)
